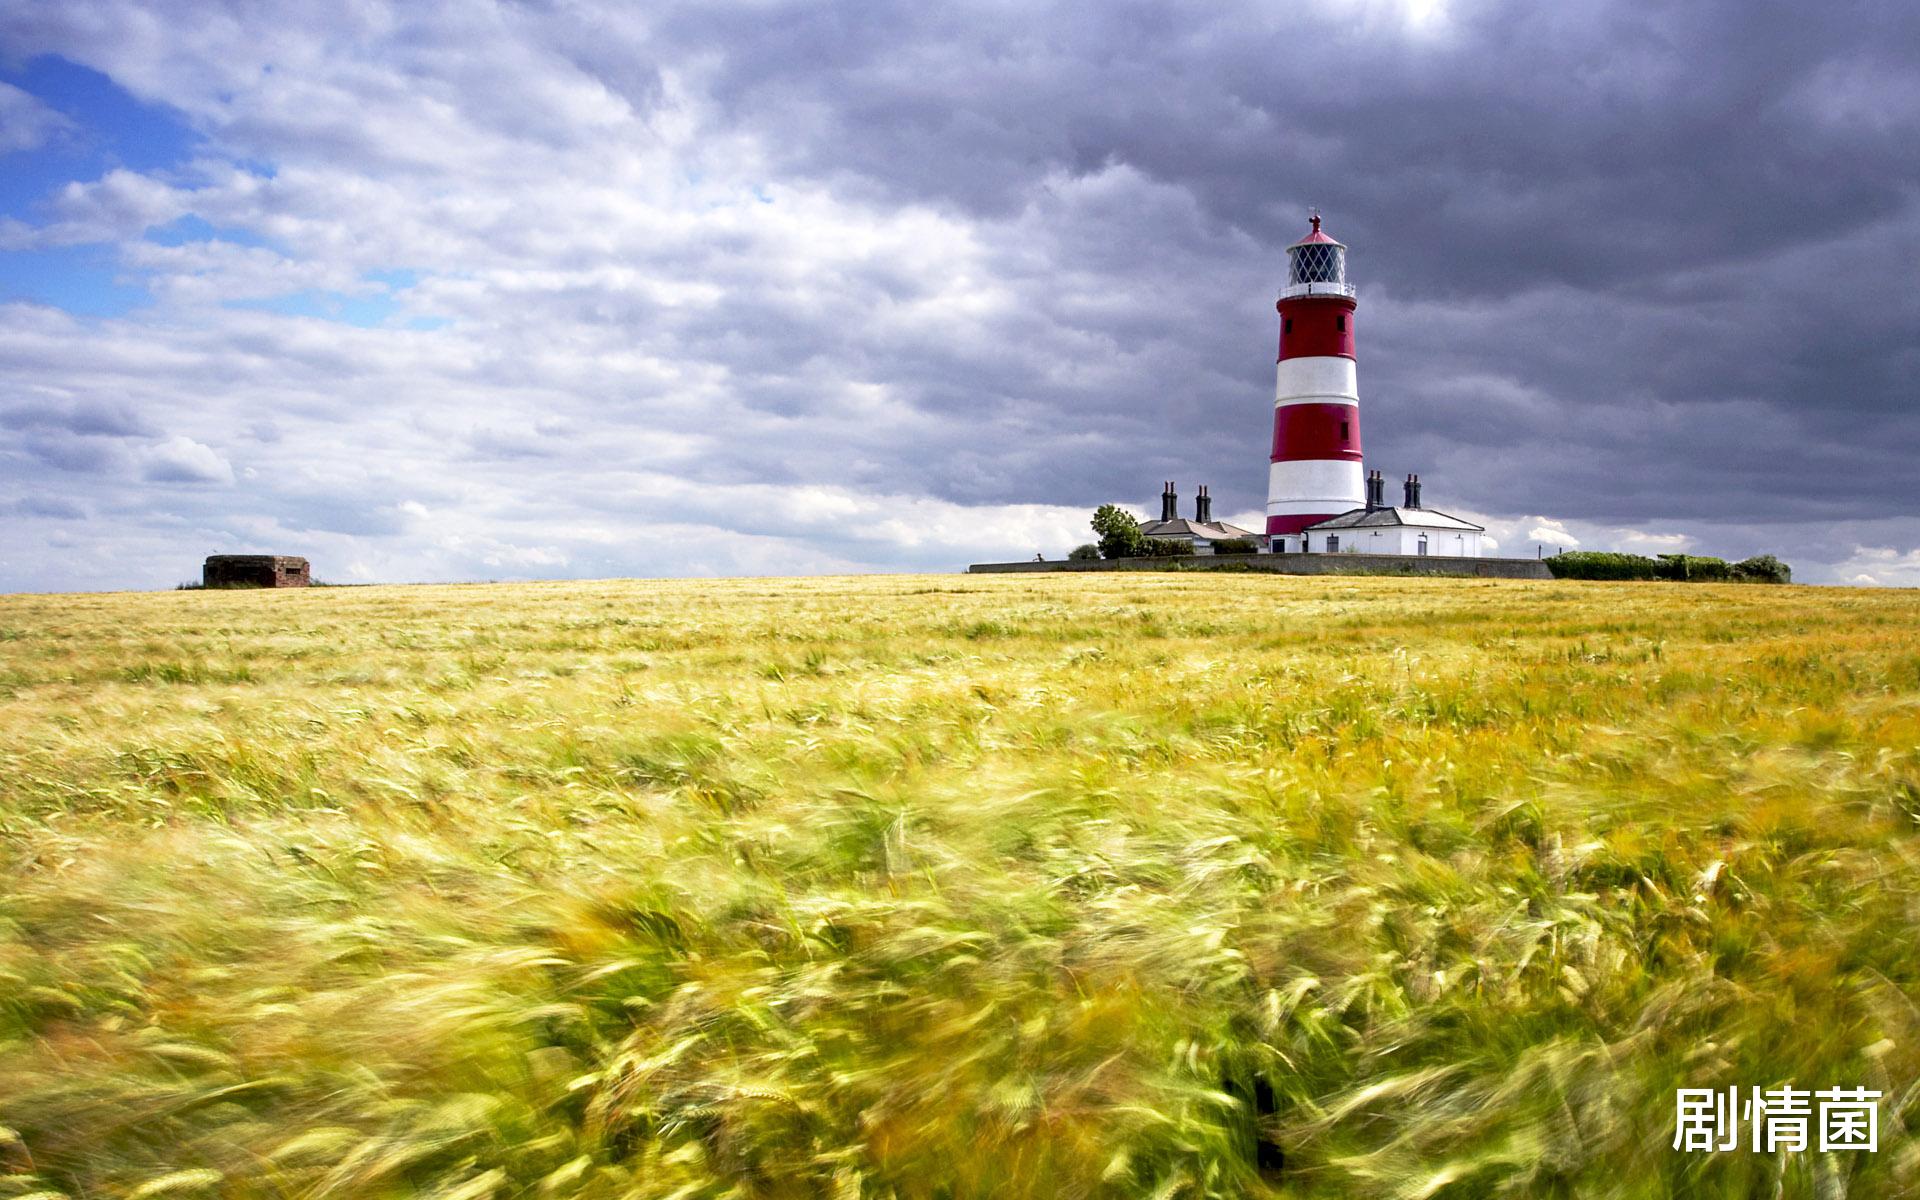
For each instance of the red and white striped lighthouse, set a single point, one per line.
(1315, 471)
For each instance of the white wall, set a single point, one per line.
(1398, 539)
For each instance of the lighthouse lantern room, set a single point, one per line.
(1315, 470)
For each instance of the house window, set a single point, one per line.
(1423, 543)
(1333, 543)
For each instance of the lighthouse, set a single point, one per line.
(1315, 470)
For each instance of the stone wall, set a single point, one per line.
(1298, 564)
(255, 570)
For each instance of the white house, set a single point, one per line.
(1378, 529)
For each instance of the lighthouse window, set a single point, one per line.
(1343, 431)
(1340, 323)
(1317, 264)
(1286, 326)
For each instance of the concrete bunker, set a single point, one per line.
(255, 570)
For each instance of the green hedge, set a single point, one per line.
(1601, 564)
(1694, 568)
(1164, 547)
(1235, 546)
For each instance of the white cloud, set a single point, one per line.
(1637, 541)
(183, 460)
(1880, 566)
(1553, 533)
(119, 206)
(1530, 535)
(26, 123)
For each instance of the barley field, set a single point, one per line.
(937, 887)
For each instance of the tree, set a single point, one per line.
(1119, 533)
(1086, 553)
(1763, 568)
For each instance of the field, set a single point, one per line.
(918, 887)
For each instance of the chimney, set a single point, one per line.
(1376, 490)
(1169, 503)
(1203, 506)
(1413, 491)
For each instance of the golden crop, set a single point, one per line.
(951, 887)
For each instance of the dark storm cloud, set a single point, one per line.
(1686, 232)
(1717, 194)
(1577, 142)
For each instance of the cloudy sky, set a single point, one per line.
(470, 290)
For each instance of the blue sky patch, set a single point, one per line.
(366, 311)
(190, 229)
(84, 280)
(111, 129)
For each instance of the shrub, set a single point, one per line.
(1601, 564)
(1119, 533)
(1165, 547)
(1763, 568)
(1696, 568)
(1085, 553)
(1235, 546)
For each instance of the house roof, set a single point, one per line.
(1416, 518)
(1212, 531)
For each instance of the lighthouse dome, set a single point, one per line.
(1317, 265)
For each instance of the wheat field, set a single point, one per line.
(939, 887)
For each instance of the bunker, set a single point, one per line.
(255, 570)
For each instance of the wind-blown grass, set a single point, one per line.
(1090, 885)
